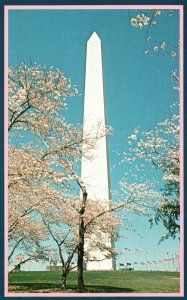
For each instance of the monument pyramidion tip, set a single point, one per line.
(94, 37)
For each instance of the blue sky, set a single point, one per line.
(137, 86)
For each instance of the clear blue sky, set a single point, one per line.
(137, 87)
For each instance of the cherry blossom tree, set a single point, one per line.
(160, 147)
(36, 99)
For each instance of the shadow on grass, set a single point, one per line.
(34, 287)
(50, 288)
(107, 289)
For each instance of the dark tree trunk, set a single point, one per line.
(80, 260)
(64, 281)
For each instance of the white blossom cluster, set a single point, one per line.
(144, 19)
(140, 20)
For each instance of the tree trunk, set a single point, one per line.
(64, 281)
(80, 260)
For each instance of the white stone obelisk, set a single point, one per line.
(95, 172)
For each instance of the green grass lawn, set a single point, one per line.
(98, 282)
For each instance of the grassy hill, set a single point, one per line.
(98, 282)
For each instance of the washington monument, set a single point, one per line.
(95, 172)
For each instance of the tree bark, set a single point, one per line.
(64, 281)
(80, 260)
